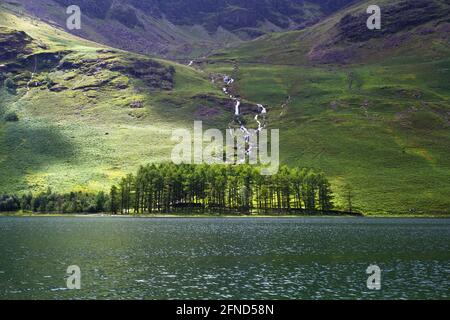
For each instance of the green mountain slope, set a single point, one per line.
(88, 114)
(371, 108)
(371, 111)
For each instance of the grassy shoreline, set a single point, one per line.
(200, 216)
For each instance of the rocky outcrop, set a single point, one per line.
(154, 74)
(397, 17)
(13, 43)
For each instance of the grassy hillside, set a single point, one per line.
(88, 114)
(373, 112)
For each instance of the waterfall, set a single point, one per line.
(262, 111)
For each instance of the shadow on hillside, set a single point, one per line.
(26, 149)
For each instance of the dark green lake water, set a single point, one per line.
(310, 258)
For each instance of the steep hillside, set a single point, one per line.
(343, 38)
(77, 115)
(181, 28)
(372, 108)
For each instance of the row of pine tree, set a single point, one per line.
(191, 189)
(166, 188)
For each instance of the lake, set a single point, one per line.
(242, 258)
